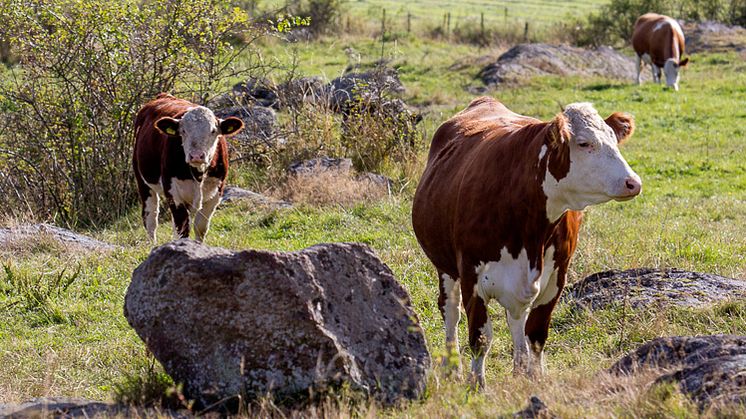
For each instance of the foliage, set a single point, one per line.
(322, 14)
(615, 21)
(85, 68)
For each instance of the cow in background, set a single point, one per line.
(181, 154)
(659, 41)
(497, 211)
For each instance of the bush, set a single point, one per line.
(323, 14)
(615, 21)
(85, 68)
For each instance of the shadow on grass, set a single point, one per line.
(600, 87)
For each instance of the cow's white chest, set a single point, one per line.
(513, 282)
(193, 193)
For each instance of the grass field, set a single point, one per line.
(539, 12)
(62, 331)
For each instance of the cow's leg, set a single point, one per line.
(150, 206)
(537, 325)
(639, 69)
(517, 325)
(449, 302)
(480, 326)
(203, 215)
(180, 214)
(656, 73)
(150, 214)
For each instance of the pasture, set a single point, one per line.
(62, 332)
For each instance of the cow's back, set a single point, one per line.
(482, 128)
(150, 144)
(658, 36)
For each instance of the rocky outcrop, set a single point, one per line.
(65, 407)
(234, 193)
(710, 369)
(65, 237)
(260, 125)
(321, 164)
(250, 323)
(647, 287)
(529, 60)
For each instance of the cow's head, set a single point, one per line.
(199, 130)
(671, 70)
(584, 165)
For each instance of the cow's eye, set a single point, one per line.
(584, 145)
(214, 130)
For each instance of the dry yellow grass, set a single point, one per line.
(330, 188)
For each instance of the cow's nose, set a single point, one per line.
(197, 156)
(633, 185)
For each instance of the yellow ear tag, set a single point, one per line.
(170, 131)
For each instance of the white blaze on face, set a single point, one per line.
(199, 132)
(598, 172)
(671, 70)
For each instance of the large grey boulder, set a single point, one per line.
(710, 369)
(226, 323)
(646, 287)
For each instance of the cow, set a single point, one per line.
(497, 211)
(180, 154)
(659, 41)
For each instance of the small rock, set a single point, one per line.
(646, 287)
(65, 407)
(250, 323)
(710, 369)
(367, 87)
(721, 381)
(257, 91)
(321, 164)
(23, 232)
(234, 193)
(536, 409)
(677, 351)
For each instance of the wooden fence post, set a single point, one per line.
(525, 33)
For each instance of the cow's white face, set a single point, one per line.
(597, 172)
(199, 130)
(671, 70)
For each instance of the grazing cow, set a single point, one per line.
(497, 211)
(659, 41)
(181, 154)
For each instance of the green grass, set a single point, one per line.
(62, 331)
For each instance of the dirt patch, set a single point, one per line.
(714, 37)
(530, 60)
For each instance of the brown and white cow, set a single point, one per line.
(181, 154)
(497, 211)
(659, 41)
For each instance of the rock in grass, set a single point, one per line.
(529, 60)
(647, 287)
(536, 409)
(710, 369)
(226, 323)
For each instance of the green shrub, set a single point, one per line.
(614, 23)
(85, 68)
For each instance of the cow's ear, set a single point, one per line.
(559, 130)
(623, 125)
(684, 62)
(230, 126)
(168, 126)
